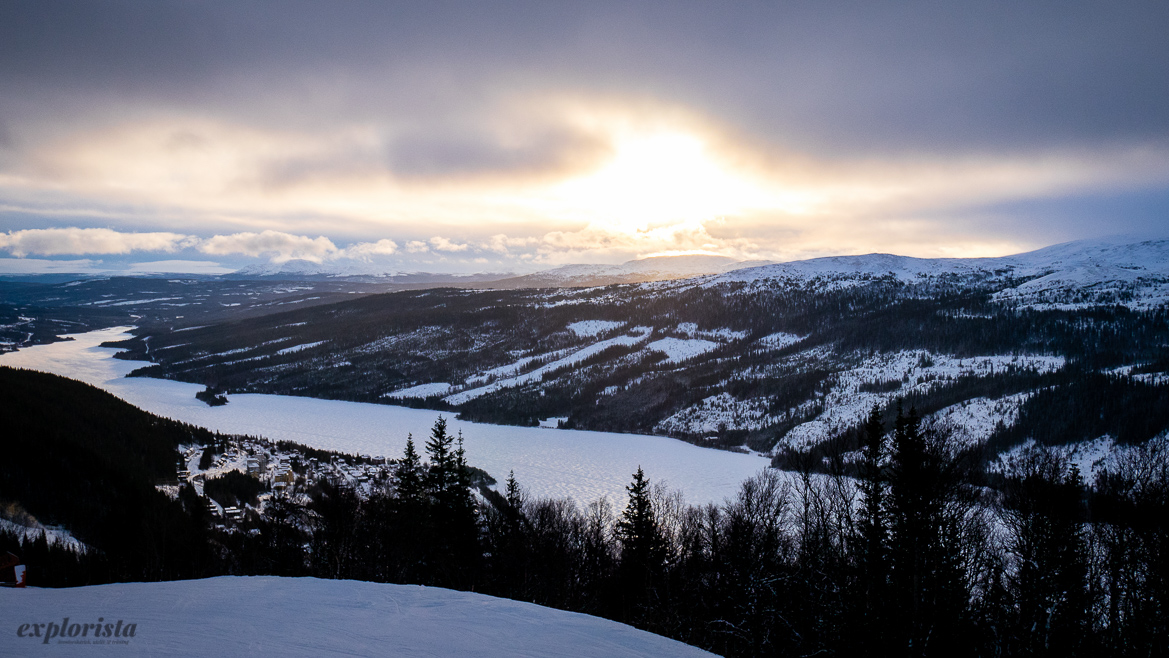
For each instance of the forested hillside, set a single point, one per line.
(784, 359)
(78, 457)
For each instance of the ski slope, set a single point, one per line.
(270, 616)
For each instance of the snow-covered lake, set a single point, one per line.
(580, 465)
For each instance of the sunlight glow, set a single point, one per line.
(664, 178)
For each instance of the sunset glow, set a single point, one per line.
(353, 131)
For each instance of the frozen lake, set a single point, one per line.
(580, 465)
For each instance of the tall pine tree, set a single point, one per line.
(643, 549)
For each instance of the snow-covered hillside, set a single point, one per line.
(268, 616)
(1070, 275)
(657, 268)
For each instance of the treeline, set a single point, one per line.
(917, 555)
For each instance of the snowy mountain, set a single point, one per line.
(235, 616)
(1083, 273)
(655, 268)
(357, 271)
(1086, 272)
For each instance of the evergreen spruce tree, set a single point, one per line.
(512, 492)
(513, 550)
(643, 548)
(454, 520)
(408, 484)
(926, 579)
(871, 544)
(441, 475)
(407, 542)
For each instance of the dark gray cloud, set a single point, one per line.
(847, 79)
(470, 153)
(1139, 212)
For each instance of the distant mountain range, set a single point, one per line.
(1101, 269)
(657, 268)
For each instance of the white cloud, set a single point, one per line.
(502, 244)
(443, 244)
(675, 238)
(276, 245)
(417, 247)
(60, 241)
(364, 250)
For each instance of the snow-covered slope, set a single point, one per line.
(268, 616)
(1082, 273)
(657, 268)
(358, 270)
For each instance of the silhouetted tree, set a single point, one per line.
(643, 548)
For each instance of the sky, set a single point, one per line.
(516, 136)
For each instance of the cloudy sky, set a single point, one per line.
(433, 136)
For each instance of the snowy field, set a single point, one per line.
(268, 616)
(580, 465)
(640, 334)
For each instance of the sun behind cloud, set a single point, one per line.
(661, 178)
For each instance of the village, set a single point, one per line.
(271, 470)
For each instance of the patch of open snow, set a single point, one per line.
(538, 374)
(55, 535)
(303, 346)
(1090, 457)
(781, 340)
(513, 368)
(678, 350)
(691, 330)
(716, 413)
(420, 391)
(135, 302)
(553, 422)
(590, 328)
(971, 422)
(267, 615)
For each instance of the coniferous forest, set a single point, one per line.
(914, 552)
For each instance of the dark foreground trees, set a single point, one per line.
(915, 553)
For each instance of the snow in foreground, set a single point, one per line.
(552, 463)
(269, 616)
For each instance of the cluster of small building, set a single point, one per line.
(284, 472)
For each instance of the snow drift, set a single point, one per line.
(269, 616)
